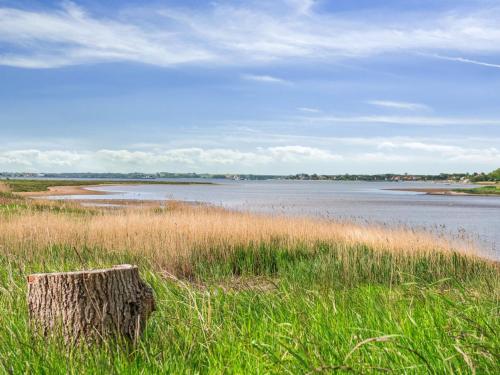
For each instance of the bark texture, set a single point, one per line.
(90, 304)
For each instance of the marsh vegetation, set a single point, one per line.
(247, 293)
(482, 190)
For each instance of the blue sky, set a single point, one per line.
(283, 86)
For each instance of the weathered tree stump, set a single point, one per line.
(90, 304)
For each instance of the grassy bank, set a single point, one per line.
(488, 189)
(37, 185)
(241, 293)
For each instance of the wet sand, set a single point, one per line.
(65, 190)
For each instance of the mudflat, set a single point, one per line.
(64, 190)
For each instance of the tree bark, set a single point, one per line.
(90, 304)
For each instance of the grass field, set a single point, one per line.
(36, 185)
(488, 189)
(241, 293)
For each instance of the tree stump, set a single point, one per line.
(90, 304)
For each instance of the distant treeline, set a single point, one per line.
(138, 175)
(492, 176)
(464, 177)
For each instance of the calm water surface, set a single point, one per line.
(470, 217)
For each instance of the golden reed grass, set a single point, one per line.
(167, 236)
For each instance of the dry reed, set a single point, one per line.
(171, 236)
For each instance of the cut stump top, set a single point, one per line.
(33, 277)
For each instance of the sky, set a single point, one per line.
(264, 87)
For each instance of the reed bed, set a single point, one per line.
(178, 232)
(179, 238)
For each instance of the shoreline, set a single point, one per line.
(87, 190)
(441, 191)
(66, 190)
(44, 188)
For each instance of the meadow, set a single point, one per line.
(247, 293)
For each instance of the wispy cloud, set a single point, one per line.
(265, 79)
(404, 120)
(399, 105)
(446, 151)
(309, 110)
(467, 61)
(71, 36)
(226, 34)
(302, 6)
(298, 153)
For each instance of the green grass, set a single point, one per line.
(306, 323)
(490, 189)
(43, 185)
(13, 204)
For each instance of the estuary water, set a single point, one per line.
(470, 218)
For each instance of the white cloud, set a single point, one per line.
(197, 158)
(264, 79)
(248, 33)
(336, 155)
(218, 156)
(33, 158)
(187, 156)
(399, 105)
